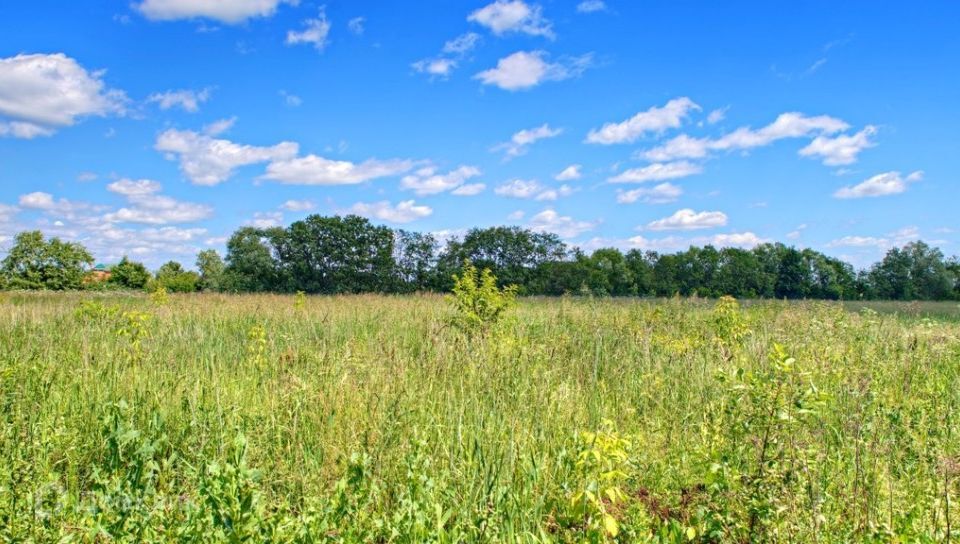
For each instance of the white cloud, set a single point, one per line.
(569, 173)
(687, 219)
(426, 181)
(298, 205)
(149, 207)
(37, 201)
(591, 6)
(520, 188)
(661, 194)
(504, 16)
(290, 99)
(527, 69)
(7, 213)
(134, 188)
(563, 225)
(355, 25)
(471, 189)
(266, 220)
(219, 126)
(896, 238)
(786, 125)
(734, 239)
(225, 11)
(654, 120)
(553, 194)
(462, 44)
(40, 93)
(86, 176)
(717, 115)
(455, 49)
(206, 160)
(403, 212)
(516, 215)
(520, 141)
(888, 183)
(316, 170)
(186, 99)
(315, 32)
(657, 172)
(440, 67)
(842, 149)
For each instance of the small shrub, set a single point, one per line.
(477, 299)
(159, 296)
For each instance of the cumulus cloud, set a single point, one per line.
(888, 183)
(786, 125)
(840, 150)
(470, 189)
(186, 99)
(453, 51)
(439, 67)
(521, 188)
(521, 141)
(298, 205)
(206, 160)
(225, 11)
(41, 93)
(563, 225)
(266, 220)
(591, 6)
(657, 172)
(506, 16)
(892, 239)
(654, 120)
(427, 181)
(527, 69)
(663, 193)
(149, 207)
(687, 219)
(316, 170)
(403, 212)
(315, 32)
(569, 173)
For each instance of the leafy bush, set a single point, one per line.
(477, 299)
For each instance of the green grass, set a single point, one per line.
(373, 419)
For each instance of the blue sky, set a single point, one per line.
(155, 128)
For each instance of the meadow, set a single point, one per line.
(367, 418)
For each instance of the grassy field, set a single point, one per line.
(373, 419)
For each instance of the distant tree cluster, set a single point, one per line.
(351, 255)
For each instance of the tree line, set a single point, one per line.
(349, 254)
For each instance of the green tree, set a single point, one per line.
(172, 277)
(337, 255)
(251, 264)
(129, 274)
(211, 269)
(35, 263)
(415, 255)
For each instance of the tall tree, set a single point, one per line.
(129, 274)
(35, 263)
(211, 269)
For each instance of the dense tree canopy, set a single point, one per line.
(129, 274)
(36, 263)
(349, 254)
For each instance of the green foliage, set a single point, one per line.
(159, 296)
(35, 263)
(133, 329)
(601, 470)
(172, 277)
(211, 269)
(129, 274)
(477, 299)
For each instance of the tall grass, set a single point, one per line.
(372, 419)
